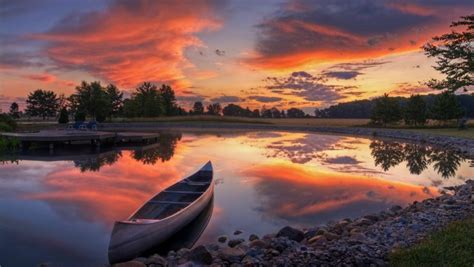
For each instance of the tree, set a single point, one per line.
(169, 100)
(256, 113)
(63, 116)
(233, 110)
(214, 109)
(455, 56)
(92, 100)
(415, 111)
(295, 113)
(42, 103)
(446, 107)
(146, 101)
(14, 110)
(116, 100)
(275, 112)
(386, 110)
(198, 108)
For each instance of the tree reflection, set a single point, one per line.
(164, 150)
(94, 164)
(388, 154)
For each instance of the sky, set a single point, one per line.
(283, 53)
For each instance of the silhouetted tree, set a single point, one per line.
(92, 100)
(169, 100)
(295, 113)
(256, 113)
(115, 100)
(387, 154)
(14, 110)
(455, 56)
(198, 108)
(446, 162)
(275, 113)
(146, 101)
(415, 111)
(446, 107)
(386, 110)
(417, 157)
(42, 103)
(63, 116)
(214, 109)
(233, 110)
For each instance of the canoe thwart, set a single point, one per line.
(168, 202)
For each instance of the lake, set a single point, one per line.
(60, 209)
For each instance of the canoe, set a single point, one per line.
(162, 216)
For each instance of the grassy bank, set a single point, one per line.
(452, 246)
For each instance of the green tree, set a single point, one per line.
(455, 56)
(446, 107)
(198, 108)
(214, 109)
(92, 100)
(295, 113)
(14, 110)
(42, 103)
(116, 100)
(386, 110)
(63, 116)
(415, 111)
(169, 100)
(146, 101)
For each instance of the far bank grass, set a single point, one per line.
(452, 246)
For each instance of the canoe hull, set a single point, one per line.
(143, 237)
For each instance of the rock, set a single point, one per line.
(291, 233)
(237, 232)
(200, 255)
(331, 236)
(395, 209)
(318, 240)
(222, 239)
(372, 217)
(183, 253)
(130, 264)
(156, 259)
(258, 243)
(234, 242)
(253, 237)
(231, 254)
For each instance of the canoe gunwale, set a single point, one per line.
(208, 191)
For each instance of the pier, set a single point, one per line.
(96, 138)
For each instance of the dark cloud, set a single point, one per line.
(219, 52)
(342, 160)
(15, 60)
(343, 75)
(406, 89)
(226, 99)
(308, 87)
(340, 29)
(264, 99)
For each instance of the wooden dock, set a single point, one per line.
(52, 137)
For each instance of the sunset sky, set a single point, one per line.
(281, 53)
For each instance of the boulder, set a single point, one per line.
(253, 237)
(231, 254)
(222, 239)
(291, 233)
(234, 242)
(200, 255)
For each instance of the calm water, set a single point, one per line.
(61, 209)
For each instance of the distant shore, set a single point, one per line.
(461, 144)
(364, 241)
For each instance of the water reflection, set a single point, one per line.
(163, 150)
(388, 154)
(269, 179)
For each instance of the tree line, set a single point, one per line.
(98, 102)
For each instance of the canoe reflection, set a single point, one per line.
(185, 238)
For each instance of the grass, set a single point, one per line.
(452, 246)
(469, 133)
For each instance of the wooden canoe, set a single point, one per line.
(162, 216)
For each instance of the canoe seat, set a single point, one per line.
(194, 183)
(183, 192)
(168, 202)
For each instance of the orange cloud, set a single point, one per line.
(45, 77)
(132, 41)
(337, 30)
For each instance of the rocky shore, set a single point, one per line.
(462, 145)
(364, 241)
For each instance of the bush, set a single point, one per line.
(415, 111)
(63, 116)
(80, 116)
(9, 124)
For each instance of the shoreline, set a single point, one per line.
(364, 241)
(463, 145)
